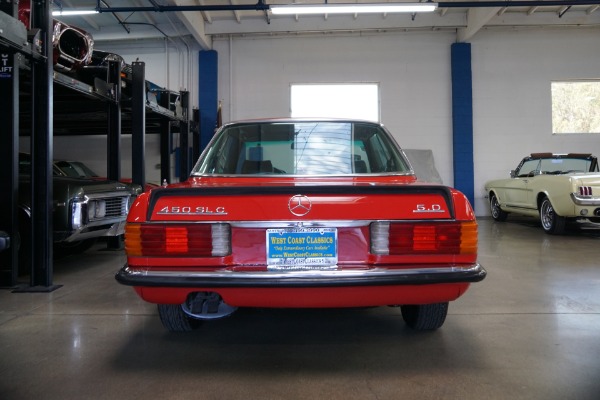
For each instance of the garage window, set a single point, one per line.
(340, 100)
(576, 107)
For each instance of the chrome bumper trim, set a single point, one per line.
(585, 201)
(312, 278)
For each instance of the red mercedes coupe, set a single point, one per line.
(295, 213)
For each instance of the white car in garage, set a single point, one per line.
(552, 187)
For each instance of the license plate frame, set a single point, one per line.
(302, 248)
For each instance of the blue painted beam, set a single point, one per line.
(462, 119)
(207, 94)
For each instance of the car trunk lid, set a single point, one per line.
(301, 203)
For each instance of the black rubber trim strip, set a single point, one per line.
(125, 277)
(157, 194)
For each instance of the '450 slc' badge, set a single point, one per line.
(191, 210)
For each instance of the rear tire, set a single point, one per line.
(495, 209)
(175, 320)
(425, 317)
(552, 223)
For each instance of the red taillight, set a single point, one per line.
(388, 238)
(176, 240)
(193, 240)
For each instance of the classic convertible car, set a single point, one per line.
(553, 187)
(301, 213)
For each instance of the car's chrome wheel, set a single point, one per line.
(551, 222)
(495, 209)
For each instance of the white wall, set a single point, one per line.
(512, 72)
(170, 64)
(412, 70)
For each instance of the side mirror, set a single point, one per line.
(513, 173)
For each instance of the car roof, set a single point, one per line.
(534, 156)
(304, 119)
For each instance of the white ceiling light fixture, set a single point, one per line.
(355, 8)
(62, 13)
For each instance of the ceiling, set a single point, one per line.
(466, 18)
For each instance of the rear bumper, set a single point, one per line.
(585, 200)
(302, 279)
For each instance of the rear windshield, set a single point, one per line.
(302, 148)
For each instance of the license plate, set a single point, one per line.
(302, 248)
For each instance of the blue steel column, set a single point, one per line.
(207, 94)
(462, 119)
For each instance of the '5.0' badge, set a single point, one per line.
(434, 208)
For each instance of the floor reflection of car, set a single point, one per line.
(552, 187)
(83, 209)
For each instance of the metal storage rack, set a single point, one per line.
(46, 102)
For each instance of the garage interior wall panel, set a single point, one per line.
(512, 72)
(169, 64)
(412, 71)
(512, 109)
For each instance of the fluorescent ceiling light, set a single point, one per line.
(73, 12)
(382, 8)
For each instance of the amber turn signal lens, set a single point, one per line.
(186, 240)
(468, 238)
(133, 239)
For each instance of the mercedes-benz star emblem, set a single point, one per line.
(299, 205)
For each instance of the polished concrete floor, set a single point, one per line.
(531, 330)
